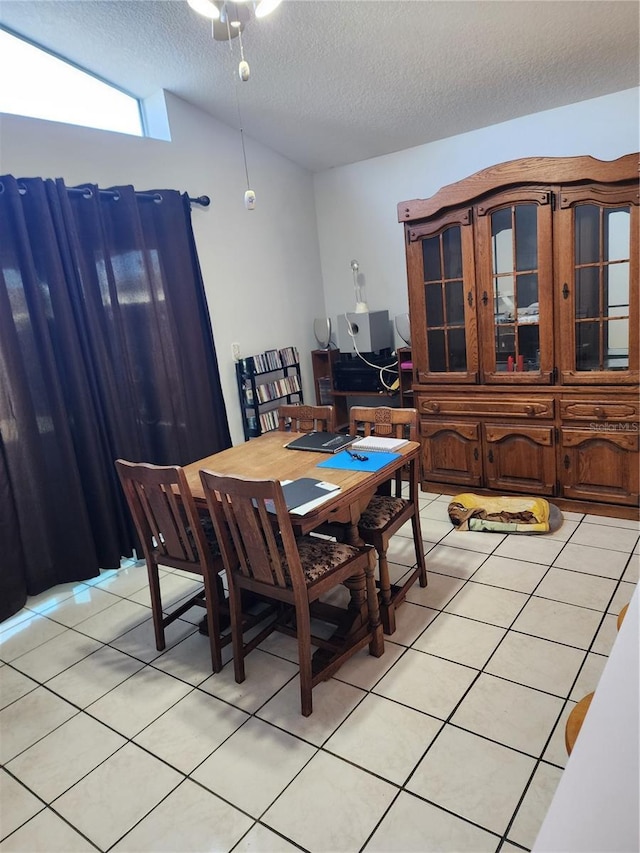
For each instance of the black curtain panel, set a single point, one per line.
(106, 351)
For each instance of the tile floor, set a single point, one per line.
(452, 741)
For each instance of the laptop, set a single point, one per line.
(321, 442)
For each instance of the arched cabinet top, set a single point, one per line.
(530, 170)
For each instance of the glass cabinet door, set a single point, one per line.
(599, 287)
(515, 288)
(443, 331)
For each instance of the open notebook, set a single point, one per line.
(374, 442)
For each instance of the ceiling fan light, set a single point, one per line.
(207, 8)
(265, 7)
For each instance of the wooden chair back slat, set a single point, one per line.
(306, 418)
(248, 533)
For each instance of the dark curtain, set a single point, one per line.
(106, 351)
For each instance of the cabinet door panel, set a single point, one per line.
(514, 266)
(600, 466)
(520, 459)
(451, 452)
(440, 263)
(597, 284)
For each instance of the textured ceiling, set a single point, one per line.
(337, 81)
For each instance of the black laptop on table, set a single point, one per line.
(321, 442)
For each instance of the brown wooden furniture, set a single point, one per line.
(323, 365)
(264, 380)
(405, 377)
(262, 555)
(523, 299)
(385, 514)
(300, 418)
(171, 533)
(575, 721)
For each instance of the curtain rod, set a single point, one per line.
(87, 192)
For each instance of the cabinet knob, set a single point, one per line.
(490, 456)
(600, 413)
(434, 407)
(529, 410)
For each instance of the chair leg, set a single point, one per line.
(211, 592)
(156, 606)
(376, 644)
(387, 609)
(419, 546)
(235, 607)
(303, 632)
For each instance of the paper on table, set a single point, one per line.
(378, 443)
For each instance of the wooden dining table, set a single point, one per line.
(268, 458)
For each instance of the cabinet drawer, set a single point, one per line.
(607, 410)
(527, 407)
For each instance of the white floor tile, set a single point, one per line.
(191, 730)
(554, 620)
(485, 543)
(364, 671)
(190, 820)
(13, 685)
(58, 654)
(439, 590)
(63, 757)
(30, 718)
(384, 737)
(125, 582)
(592, 561)
(537, 663)
(426, 683)
(473, 777)
(535, 805)
(173, 588)
(576, 588)
(535, 549)
(141, 640)
(17, 804)
(612, 521)
(401, 550)
(108, 802)
(84, 603)
(589, 676)
(460, 640)
(605, 537)
(54, 596)
(254, 766)
(46, 833)
(333, 700)
(139, 700)
(10, 623)
(632, 572)
(433, 530)
(265, 675)
(413, 826)
(487, 604)
(93, 676)
(508, 573)
(606, 636)
(435, 511)
(27, 634)
(556, 751)
(189, 660)
(260, 839)
(456, 562)
(330, 806)
(114, 621)
(411, 620)
(509, 713)
(623, 595)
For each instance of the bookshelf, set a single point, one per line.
(264, 382)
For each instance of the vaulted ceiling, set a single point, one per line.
(337, 81)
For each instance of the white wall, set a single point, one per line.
(357, 205)
(261, 268)
(269, 272)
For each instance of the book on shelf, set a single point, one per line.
(379, 443)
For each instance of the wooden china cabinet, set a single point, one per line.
(523, 301)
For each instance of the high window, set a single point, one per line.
(45, 86)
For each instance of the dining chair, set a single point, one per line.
(306, 418)
(261, 554)
(173, 533)
(385, 514)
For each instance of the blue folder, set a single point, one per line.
(375, 461)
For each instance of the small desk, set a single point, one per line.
(266, 458)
